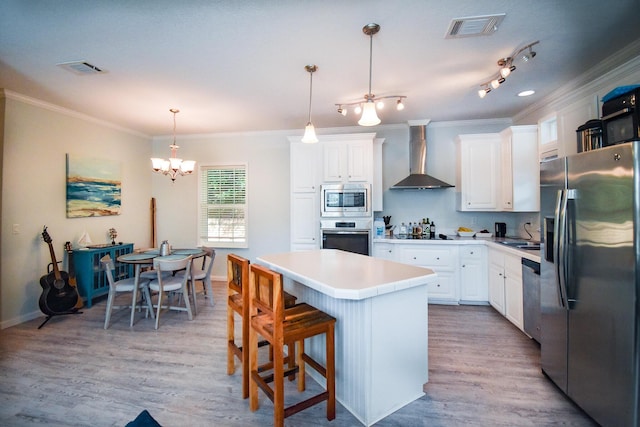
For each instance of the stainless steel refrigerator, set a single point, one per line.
(589, 208)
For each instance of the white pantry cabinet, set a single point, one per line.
(305, 195)
(520, 169)
(478, 172)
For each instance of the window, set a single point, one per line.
(223, 206)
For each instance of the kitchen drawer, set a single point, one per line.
(428, 257)
(472, 252)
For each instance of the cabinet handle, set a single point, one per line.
(438, 258)
(471, 252)
(463, 266)
(389, 251)
(414, 257)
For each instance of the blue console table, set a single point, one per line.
(92, 281)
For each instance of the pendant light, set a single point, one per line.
(309, 131)
(174, 166)
(368, 108)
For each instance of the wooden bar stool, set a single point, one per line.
(282, 326)
(238, 302)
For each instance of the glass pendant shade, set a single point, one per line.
(187, 166)
(157, 164)
(309, 134)
(369, 116)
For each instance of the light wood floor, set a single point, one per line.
(482, 371)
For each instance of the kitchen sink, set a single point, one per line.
(526, 245)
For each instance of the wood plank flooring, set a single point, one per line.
(482, 371)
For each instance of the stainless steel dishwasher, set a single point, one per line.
(531, 297)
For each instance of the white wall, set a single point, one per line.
(36, 138)
(267, 157)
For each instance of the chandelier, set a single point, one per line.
(371, 102)
(174, 166)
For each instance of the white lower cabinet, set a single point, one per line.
(461, 268)
(383, 250)
(505, 285)
(442, 259)
(474, 288)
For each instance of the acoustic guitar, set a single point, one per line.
(72, 273)
(58, 297)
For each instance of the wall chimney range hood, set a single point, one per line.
(418, 179)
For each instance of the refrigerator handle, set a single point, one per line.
(559, 246)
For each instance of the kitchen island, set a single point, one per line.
(381, 328)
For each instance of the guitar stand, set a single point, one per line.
(74, 311)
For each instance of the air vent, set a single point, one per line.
(81, 68)
(474, 26)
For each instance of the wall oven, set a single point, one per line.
(351, 235)
(345, 200)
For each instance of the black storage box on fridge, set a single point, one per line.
(621, 118)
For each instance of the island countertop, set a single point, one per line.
(346, 275)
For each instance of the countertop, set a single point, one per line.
(347, 275)
(493, 242)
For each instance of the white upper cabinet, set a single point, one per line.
(478, 172)
(347, 161)
(498, 171)
(520, 169)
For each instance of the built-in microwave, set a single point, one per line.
(621, 118)
(340, 200)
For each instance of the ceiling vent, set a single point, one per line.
(474, 26)
(81, 68)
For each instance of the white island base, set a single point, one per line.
(381, 329)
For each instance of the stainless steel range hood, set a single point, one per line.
(418, 179)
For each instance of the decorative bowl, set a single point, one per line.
(466, 233)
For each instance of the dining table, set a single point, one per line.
(145, 257)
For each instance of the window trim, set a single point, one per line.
(204, 240)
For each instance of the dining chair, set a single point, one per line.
(171, 283)
(202, 274)
(281, 326)
(121, 286)
(238, 302)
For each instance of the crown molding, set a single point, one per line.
(8, 94)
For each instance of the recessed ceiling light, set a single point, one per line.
(527, 93)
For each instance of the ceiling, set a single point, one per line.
(240, 65)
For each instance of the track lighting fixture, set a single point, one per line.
(529, 55)
(371, 102)
(506, 68)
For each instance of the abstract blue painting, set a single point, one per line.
(94, 187)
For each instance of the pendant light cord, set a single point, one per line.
(310, 93)
(370, 62)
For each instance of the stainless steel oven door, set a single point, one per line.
(357, 241)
